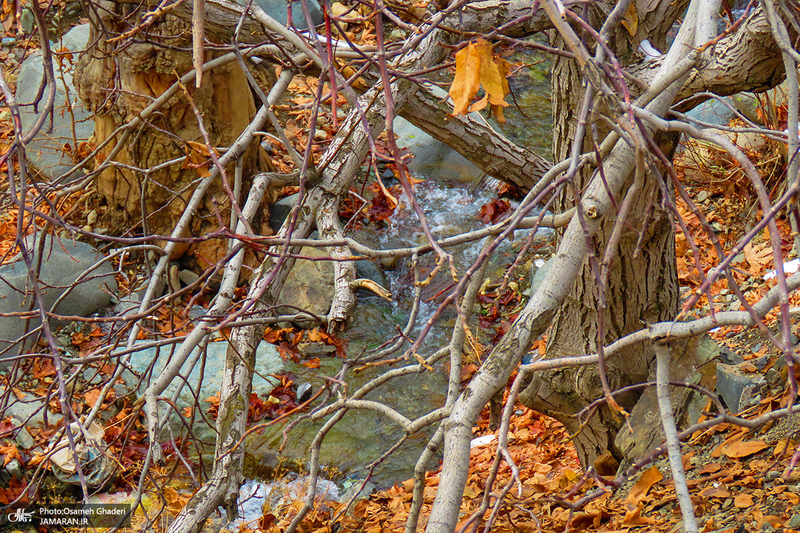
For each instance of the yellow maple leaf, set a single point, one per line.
(649, 478)
(503, 67)
(631, 19)
(466, 82)
(477, 67)
(491, 77)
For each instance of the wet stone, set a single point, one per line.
(23, 438)
(316, 349)
(14, 469)
(737, 386)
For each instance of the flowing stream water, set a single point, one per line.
(451, 202)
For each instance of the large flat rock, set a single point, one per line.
(66, 270)
(50, 152)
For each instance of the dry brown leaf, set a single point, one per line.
(314, 362)
(314, 335)
(784, 446)
(775, 521)
(720, 450)
(634, 517)
(758, 256)
(476, 66)
(720, 491)
(631, 19)
(491, 75)
(743, 501)
(737, 450)
(649, 477)
(710, 468)
(10, 452)
(466, 82)
(472, 491)
(92, 396)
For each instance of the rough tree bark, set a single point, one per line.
(596, 204)
(117, 79)
(341, 161)
(642, 288)
(642, 285)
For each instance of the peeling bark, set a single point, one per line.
(117, 82)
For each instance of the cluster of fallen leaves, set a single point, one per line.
(281, 400)
(726, 467)
(10, 223)
(492, 211)
(381, 203)
(288, 340)
(727, 199)
(727, 485)
(697, 254)
(296, 114)
(498, 309)
(123, 432)
(6, 139)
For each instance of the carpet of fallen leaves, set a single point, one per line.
(736, 485)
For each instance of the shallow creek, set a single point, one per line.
(451, 200)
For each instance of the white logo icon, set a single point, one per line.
(20, 516)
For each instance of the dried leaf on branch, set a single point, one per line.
(477, 67)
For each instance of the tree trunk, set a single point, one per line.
(641, 287)
(117, 80)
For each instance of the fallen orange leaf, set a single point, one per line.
(650, 477)
(743, 501)
(741, 449)
(634, 517)
(11, 452)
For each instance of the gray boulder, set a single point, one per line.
(46, 153)
(737, 385)
(277, 10)
(433, 158)
(690, 363)
(309, 285)
(280, 210)
(30, 410)
(65, 268)
(268, 361)
(712, 112)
